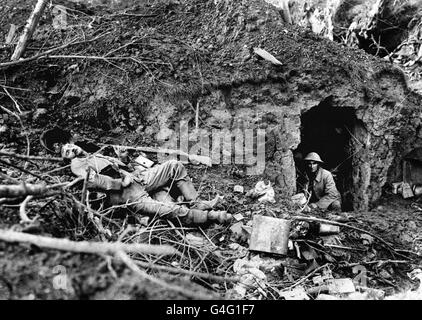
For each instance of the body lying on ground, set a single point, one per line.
(125, 185)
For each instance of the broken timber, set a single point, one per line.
(85, 246)
(29, 29)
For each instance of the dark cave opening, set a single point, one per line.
(328, 130)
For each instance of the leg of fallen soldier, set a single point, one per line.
(171, 171)
(160, 175)
(170, 211)
(139, 199)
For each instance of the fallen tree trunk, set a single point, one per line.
(85, 246)
(20, 190)
(29, 29)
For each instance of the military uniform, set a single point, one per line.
(323, 190)
(141, 183)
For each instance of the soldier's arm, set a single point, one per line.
(330, 192)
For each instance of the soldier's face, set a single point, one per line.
(70, 151)
(312, 166)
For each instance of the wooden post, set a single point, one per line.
(286, 11)
(11, 34)
(30, 27)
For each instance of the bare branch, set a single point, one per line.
(132, 265)
(45, 54)
(29, 29)
(85, 246)
(14, 100)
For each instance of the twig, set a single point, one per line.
(9, 112)
(23, 129)
(350, 227)
(64, 185)
(22, 209)
(45, 54)
(410, 252)
(85, 186)
(188, 293)
(305, 278)
(187, 245)
(197, 116)
(6, 177)
(63, 56)
(381, 262)
(85, 246)
(187, 272)
(133, 15)
(342, 247)
(14, 100)
(121, 47)
(58, 169)
(14, 88)
(206, 236)
(24, 157)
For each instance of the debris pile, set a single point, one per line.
(270, 250)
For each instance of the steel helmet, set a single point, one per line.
(52, 136)
(313, 156)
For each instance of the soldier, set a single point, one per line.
(319, 184)
(112, 176)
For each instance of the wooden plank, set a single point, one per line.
(30, 27)
(11, 34)
(270, 235)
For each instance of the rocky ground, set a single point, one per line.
(31, 272)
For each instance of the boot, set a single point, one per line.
(221, 216)
(187, 189)
(195, 216)
(207, 205)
